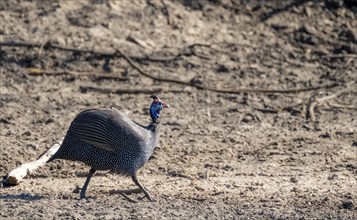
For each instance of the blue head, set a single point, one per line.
(156, 106)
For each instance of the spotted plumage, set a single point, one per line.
(105, 139)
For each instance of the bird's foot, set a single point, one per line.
(82, 196)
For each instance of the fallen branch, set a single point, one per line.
(252, 90)
(48, 45)
(85, 89)
(231, 91)
(16, 175)
(38, 72)
(136, 67)
(126, 192)
(107, 53)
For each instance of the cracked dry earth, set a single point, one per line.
(221, 155)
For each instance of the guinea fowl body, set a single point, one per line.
(105, 139)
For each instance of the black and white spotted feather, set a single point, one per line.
(106, 139)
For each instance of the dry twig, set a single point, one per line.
(314, 102)
(16, 175)
(335, 105)
(310, 114)
(38, 72)
(125, 193)
(105, 53)
(166, 12)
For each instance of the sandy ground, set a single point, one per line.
(221, 155)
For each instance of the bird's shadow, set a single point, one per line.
(22, 196)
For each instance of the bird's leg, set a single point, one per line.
(84, 188)
(136, 181)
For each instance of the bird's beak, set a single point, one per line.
(165, 105)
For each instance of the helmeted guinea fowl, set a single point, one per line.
(105, 139)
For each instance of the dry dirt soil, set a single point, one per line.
(234, 155)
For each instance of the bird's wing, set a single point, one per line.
(107, 129)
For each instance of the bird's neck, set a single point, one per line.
(154, 138)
